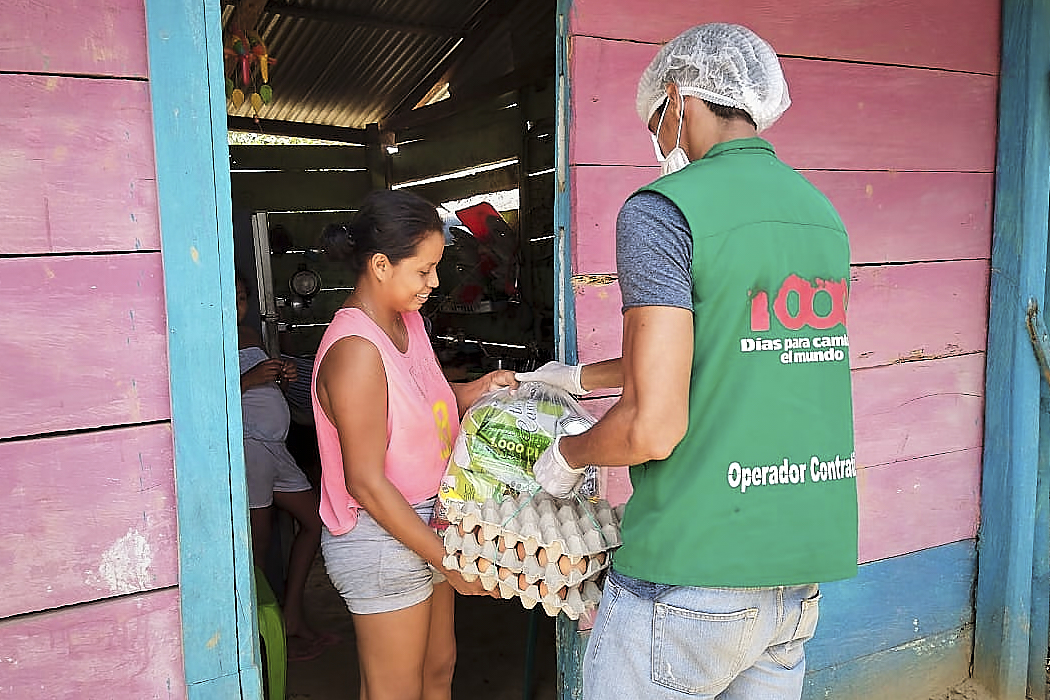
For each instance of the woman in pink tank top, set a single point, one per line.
(386, 420)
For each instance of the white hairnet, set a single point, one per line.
(727, 64)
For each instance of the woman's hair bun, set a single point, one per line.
(338, 240)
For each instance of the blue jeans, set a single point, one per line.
(653, 641)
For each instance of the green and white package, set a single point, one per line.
(501, 437)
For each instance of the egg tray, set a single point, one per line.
(540, 549)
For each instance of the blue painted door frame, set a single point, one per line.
(1010, 644)
(187, 89)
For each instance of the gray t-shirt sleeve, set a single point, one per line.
(654, 253)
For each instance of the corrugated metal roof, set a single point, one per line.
(351, 63)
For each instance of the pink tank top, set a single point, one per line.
(422, 418)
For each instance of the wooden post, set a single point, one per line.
(570, 642)
(219, 630)
(1011, 579)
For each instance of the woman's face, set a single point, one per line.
(242, 301)
(413, 279)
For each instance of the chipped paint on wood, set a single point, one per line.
(94, 517)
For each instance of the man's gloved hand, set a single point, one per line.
(557, 374)
(554, 474)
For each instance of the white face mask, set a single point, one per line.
(676, 159)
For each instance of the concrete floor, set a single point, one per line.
(491, 635)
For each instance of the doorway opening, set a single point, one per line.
(455, 101)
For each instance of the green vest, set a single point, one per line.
(762, 489)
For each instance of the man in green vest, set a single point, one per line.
(736, 408)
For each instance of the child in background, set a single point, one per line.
(274, 478)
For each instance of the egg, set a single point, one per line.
(520, 549)
(501, 545)
(581, 565)
(544, 590)
(523, 583)
(504, 573)
(564, 565)
(541, 556)
(483, 564)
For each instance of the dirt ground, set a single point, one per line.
(967, 690)
(491, 634)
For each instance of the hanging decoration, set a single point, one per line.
(248, 71)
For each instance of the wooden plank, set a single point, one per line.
(959, 35)
(897, 313)
(298, 191)
(305, 227)
(490, 140)
(76, 164)
(843, 116)
(919, 503)
(894, 602)
(86, 37)
(127, 648)
(505, 178)
(1015, 451)
(902, 313)
(300, 157)
(599, 321)
(918, 409)
(890, 216)
(911, 216)
(83, 342)
(119, 486)
(918, 670)
(219, 632)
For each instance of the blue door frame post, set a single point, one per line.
(1010, 643)
(187, 90)
(570, 643)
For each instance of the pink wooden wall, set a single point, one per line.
(897, 125)
(88, 538)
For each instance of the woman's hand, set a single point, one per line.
(265, 372)
(289, 372)
(496, 379)
(469, 392)
(462, 587)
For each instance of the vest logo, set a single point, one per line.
(820, 304)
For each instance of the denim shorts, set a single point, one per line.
(655, 641)
(375, 573)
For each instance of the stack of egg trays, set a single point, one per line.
(535, 547)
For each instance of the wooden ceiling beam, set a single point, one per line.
(298, 129)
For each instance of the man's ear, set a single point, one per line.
(674, 100)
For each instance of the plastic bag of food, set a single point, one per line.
(501, 437)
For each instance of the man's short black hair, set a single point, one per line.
(730, 112)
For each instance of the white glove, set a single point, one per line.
(554, 474)
(557, 374)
